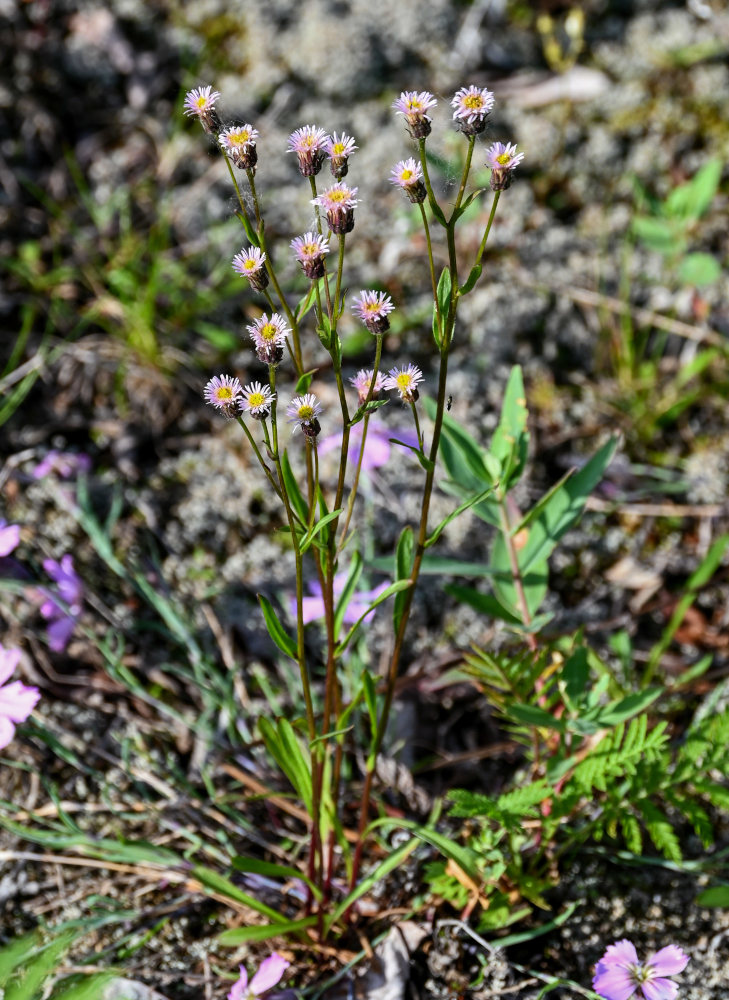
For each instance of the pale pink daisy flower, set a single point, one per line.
(201, 103)
(309, 250)
(362, 382)
(338, 202)
(269, 334)
(471, 108)
(250, 263)
(339, 149)
(619, 974)
(310, 145)
(304, 411)
(414, 106)
(269, 974)
(224, 392)
(406, 381)
(372, 308)
(17, 700)
(257, 399)
(408, 174)
(239, 142)
(63, 607)
(503, 160)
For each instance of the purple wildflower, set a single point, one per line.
(201, 103)
(9, 537)
(239, 142)
(377, 446)
(257, 400)
(373, 308)
(250, 263)
(313, 607)
(339, 149)
(269, 334)
(224, 392)
(304, 411)
(310, 145)
(619, 974)
(269, 973)
(64, 464)
(408, 174)
(63, 608)
(338, 202)
(17, 700)
(472, 105)
(413, 106)
(503, 160)
(406, 381)
(309, 250)
(362, 382)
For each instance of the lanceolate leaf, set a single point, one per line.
(284, 746)
(276, 630)
(403, 568)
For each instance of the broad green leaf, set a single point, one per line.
(699, 269)
(302, 386)
(284, 746)
(533, 580)
(510, 442)
(316, 528)
(657, 234)
(353, 575)
(276, 630)
(403, 568)
(533, 715)
(263, 932)
(473, 275)
(222, 886)
(484, 603)
(445, 287)
(627, 707)
(296, 497)
(306, 303)
(559, 509)
(690, 201)
(716, 895)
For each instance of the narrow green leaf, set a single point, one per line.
(533, 715)
(626, 708)
(350, 585)
(370, 696)
(317, 527)
(37, 968)
(284, 745)
(533, 580)
(296, 497)
(403, 568)
(510, 442)
(473, 276)
(394, 588)
(302, 386)
(222, 886)
(276, 630)
(391, 862)
(249, 230)
(484, 603)
(269, 868)
(478, 498)
(657, 234)
(263, 932)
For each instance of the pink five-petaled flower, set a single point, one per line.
(310, 145)
(472, 105)
(63, 608)
(304, 411)
(619, 974)
(201, 103)
(9, 537)
(313, 607)
(250, 263)
(309, 250)
(269, 336)
(373, 308)
(269, 973)
(377, 445)
(406, 381)
(64, 464)
(239, 142)
(224, 393)
(413, 106)
(257, 400)
(503, 160)
(338, 202)
(17, 700)
(408, 174)
(339, 149)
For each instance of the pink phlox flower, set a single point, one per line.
(64, 464)
(17, 700)
(619, 974)
(62, 608)
(269, 973)
(313, 607)
(9, 537)
(377, 445)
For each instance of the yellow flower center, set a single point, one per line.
(251, 264)
(404, 380)
(268, 332)
(225, 392)
(407, 174)
(201, 102)
(306, 412)
(240, 138)
(474, 102)
(256, 399)
(503, 159)
(338, 196)
(338, 148)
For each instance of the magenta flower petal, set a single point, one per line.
(269, 974)
(9, 537)
(59, 633)
(614, 982)
(9, 659)
(240, 989)
(17, 701)
(622, 951)
(660, 989)
(7, 732)
(669, 961)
